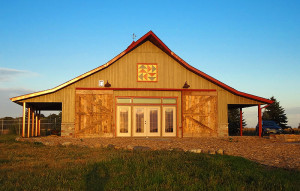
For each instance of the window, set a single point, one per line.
(147, 100)
(124, 100)
(124, 121)
(169, 120)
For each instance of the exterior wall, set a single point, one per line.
(123, 74)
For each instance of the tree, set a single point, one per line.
(234, 121)
(275, 113)
(55, 120)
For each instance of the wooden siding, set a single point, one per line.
(123, 74)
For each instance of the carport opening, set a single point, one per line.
(233, 121)
(51, 123)
(50, 117)
(234, 128)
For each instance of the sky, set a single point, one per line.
(252, 46)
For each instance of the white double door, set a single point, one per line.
(145, 121)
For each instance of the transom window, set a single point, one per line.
(143, 100)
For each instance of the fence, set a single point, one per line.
(14, 126)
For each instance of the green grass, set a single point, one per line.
(25, 166)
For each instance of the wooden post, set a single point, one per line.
(241, 121)
(36, 123)
(259, 121)
(32, 123)
(24, 118)
(182, 115)
(39, 124)
(28, 122)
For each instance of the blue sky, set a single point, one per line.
(253, 46)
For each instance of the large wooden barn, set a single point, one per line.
(145, 91)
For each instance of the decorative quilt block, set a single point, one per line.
(147, 72)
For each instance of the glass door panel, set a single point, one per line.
(169, 121)
(139, 121)
(123, 121)
(146, 121)
(153, 121)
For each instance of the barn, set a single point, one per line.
(145, 91)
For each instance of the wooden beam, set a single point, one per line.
(36, 124)
(32, 123)
(28, 122)
(241, 121)
(24, 119)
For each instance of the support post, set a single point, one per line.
(24, 118)
(182, 115)
(28, 122)
(259, 121)
(39, 124)
(32, 123)
(36, 123)
(241, 121)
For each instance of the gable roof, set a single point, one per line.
(157, 42)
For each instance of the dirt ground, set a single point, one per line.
(271, 152)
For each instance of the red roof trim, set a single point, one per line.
(155, 40)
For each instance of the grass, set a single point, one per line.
(30, 166)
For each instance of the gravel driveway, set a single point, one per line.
(271, 152)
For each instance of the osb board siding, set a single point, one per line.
(94, 114)
(199, 115)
